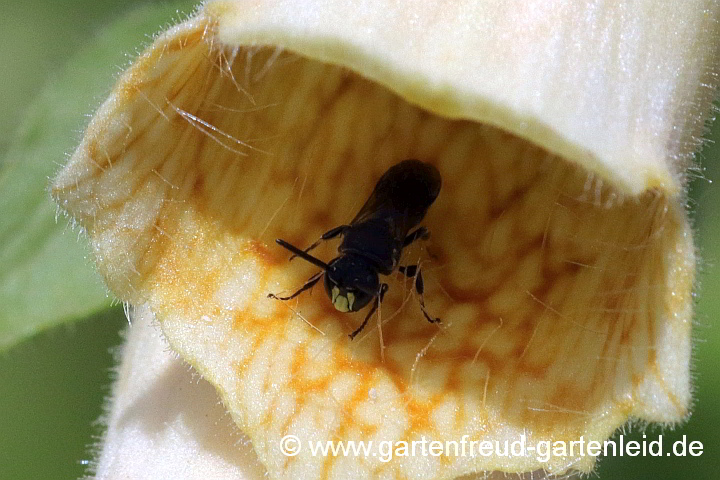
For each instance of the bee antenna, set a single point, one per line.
(300, 253)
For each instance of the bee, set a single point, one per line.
(373, 241)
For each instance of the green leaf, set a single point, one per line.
(52, 394)
(46, 276)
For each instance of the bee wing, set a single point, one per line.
(375, 205)
(403, 193)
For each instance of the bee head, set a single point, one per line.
(351, 282)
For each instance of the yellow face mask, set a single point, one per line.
(343, 303)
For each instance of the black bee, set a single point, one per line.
(374, 240)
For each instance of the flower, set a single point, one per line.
(560, 260)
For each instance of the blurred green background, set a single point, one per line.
(52, 386)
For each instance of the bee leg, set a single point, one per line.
(308, 285)
(330, 234)
(420, 233)
(381, 294)
(412, 271)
